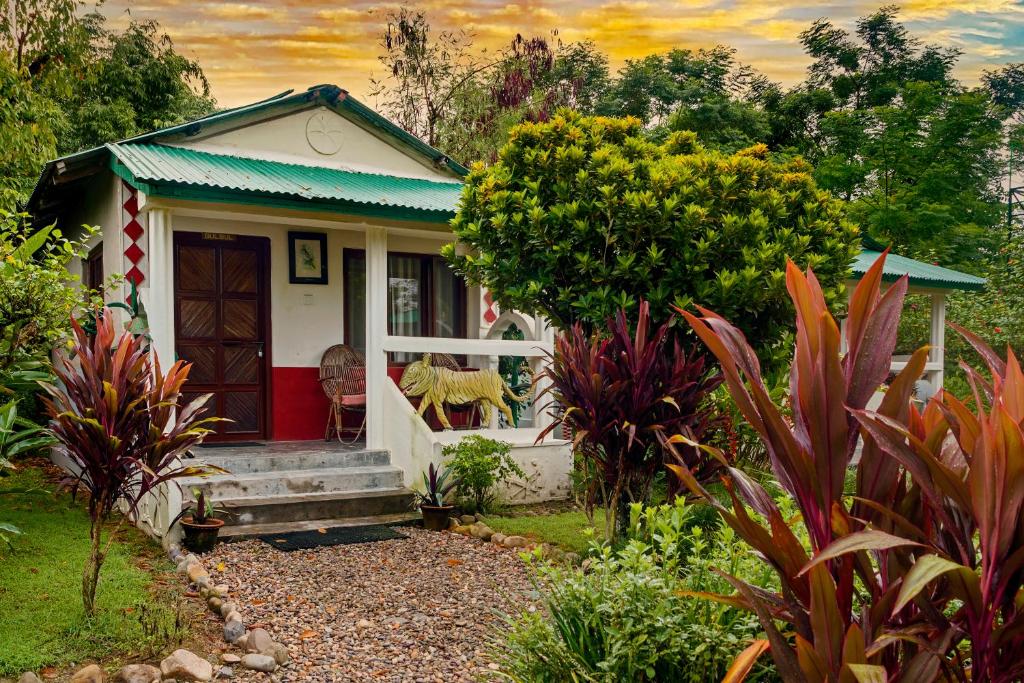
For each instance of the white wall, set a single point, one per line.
(100, 207)
(413, 446)
(286, 139)
(305, 319)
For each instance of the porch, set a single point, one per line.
(283, 474)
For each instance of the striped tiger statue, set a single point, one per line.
(437, 386)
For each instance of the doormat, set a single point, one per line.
(339, 535)
(232, 444)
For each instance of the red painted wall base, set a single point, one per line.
(298, 404)
(300, 408)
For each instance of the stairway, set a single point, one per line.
(301, 485)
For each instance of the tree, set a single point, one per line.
(462, 100)
(870, 72)
(121, 422)
(888, 128)
(582, 216)
(68, 82)
(656, 86)
(921, 175)
(134, 82)
(37, 33)
(27, 137)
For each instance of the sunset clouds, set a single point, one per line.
(254, 49)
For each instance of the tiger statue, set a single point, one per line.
(438, 386)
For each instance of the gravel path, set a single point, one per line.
(404, 610)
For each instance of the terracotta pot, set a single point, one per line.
(436, 518)
(200, 538)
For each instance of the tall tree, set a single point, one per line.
(463, 100)
(34, 33)
(134, 81)
(890, 129)
(706, 91)
(27, 137)
(68, 82)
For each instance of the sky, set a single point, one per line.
(253, 49)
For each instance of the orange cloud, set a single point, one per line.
(252, 48)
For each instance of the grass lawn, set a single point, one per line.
(568, 530)
(43, 623)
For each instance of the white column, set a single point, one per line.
(376, 330)
(542, 332)
(938, 338)
(160, 279)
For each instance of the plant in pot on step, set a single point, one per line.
(436, 487)
(201, 527)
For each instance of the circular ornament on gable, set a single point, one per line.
(324, 134)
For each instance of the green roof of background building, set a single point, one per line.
(921, 274)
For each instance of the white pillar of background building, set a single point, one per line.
(160, 278)
(376, 331)
(937, 339)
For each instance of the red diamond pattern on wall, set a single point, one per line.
(134, 253)
(131, 205)
(134, 275)
(134, 231)
(490, 315)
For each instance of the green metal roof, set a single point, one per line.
(162, 170)
(63, 180)
(921, 274)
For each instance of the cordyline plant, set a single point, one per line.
(915, 576)
(117, 417)
(621, 395)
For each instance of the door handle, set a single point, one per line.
(257, 344)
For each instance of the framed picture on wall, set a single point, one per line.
(307, 258)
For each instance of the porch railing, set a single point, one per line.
(483, 353)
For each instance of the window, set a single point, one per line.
(92, 268)
(425, 298)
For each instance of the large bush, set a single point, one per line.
(38, 296)
(582, 216)
(910, 569)
(622, 395)
(632, 615)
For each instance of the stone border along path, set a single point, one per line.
(415, 610)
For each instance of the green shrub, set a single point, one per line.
(479, 464)
(630, 617)
(581, 216)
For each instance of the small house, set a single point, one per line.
(261, 237)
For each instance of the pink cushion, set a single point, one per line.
(353, 400)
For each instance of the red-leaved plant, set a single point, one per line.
(117, 418)
(916, 575)
(621, 395)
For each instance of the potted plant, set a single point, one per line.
(436, 488)
(201, 527)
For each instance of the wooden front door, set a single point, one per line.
(222, 326)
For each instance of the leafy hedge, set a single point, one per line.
(581, 216)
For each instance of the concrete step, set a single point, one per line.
(244, 531)
(306, 507)
(282, 482)
(256, 459)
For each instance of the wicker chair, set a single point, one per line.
(343, 378)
